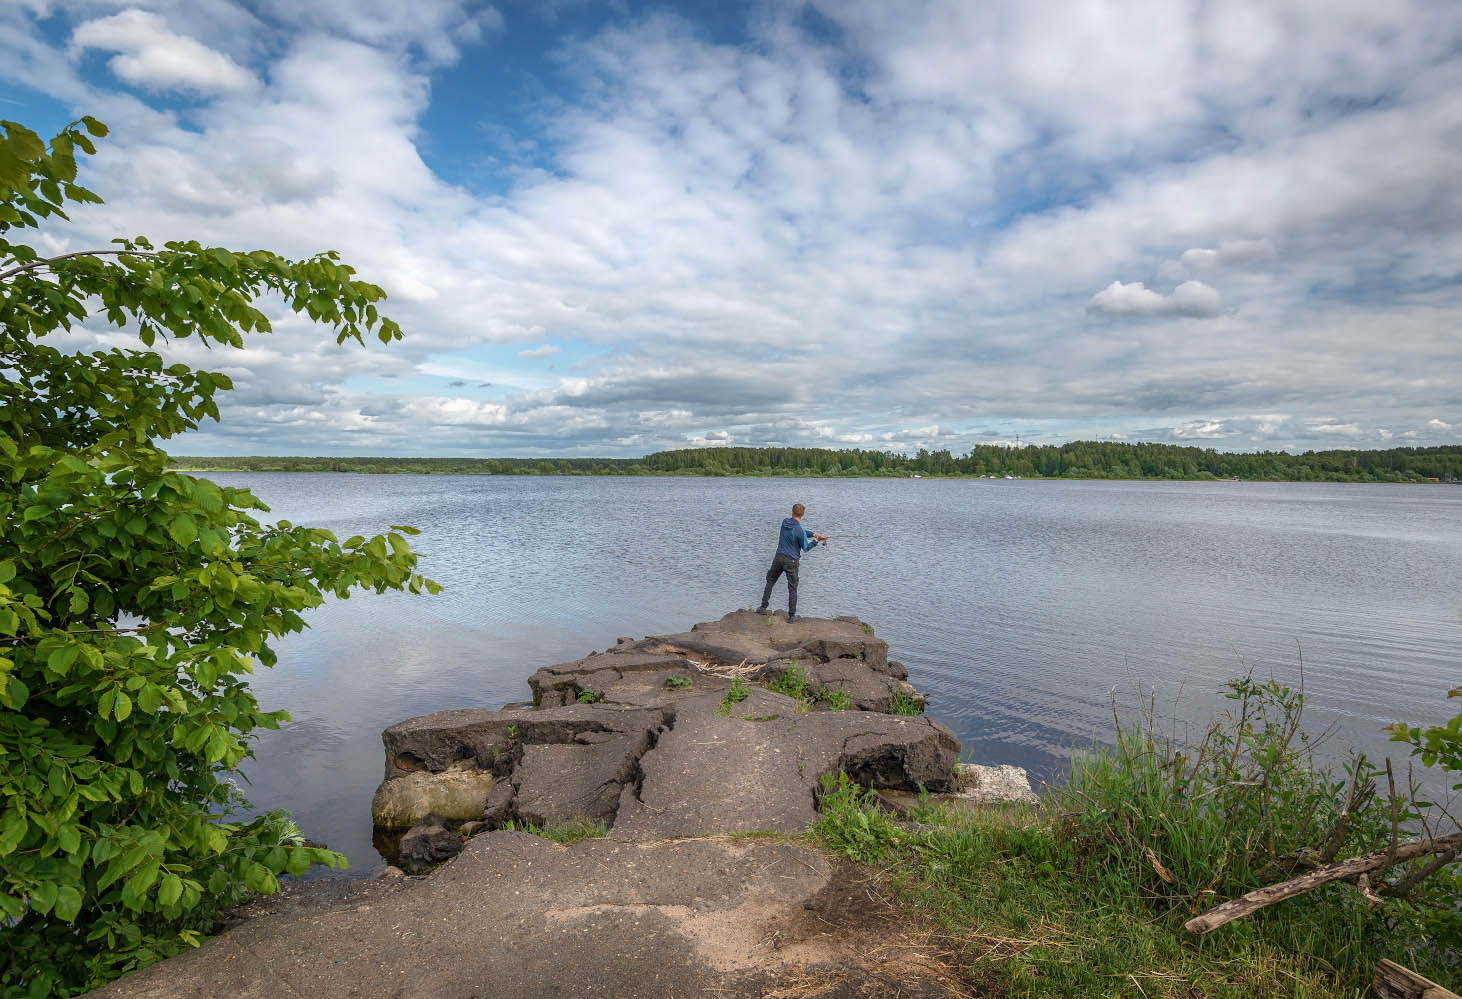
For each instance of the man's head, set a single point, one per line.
(798, 510)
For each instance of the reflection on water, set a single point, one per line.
(1017, 605)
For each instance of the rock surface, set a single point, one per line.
(457, 793)
(655, 751)
(642, 739)
(426, 845)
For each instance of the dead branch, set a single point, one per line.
(1392, 981)
(1341, 870)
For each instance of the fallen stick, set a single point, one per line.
(1392, 981)
(1338, 871)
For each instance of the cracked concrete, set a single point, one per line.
(660, 755)
(516, 915)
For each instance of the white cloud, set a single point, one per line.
(547, 350)
(1232, 253)
(1436, 424)
(157, 59)
(750, 240)
(1191, 298)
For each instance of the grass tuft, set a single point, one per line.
(906, 704)
(735, 694)
(566, 833)
(793, 682)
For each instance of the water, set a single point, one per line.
(1017, 605)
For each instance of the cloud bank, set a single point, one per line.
(828, 224)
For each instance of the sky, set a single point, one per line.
(616, 228)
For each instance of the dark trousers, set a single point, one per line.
(780, 564)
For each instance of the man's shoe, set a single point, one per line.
(791, 618)
(762, 609)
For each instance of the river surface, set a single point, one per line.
(1018, 606)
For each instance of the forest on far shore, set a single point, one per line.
(1076, 460)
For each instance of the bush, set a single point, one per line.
(1184, 828)
(133, 599)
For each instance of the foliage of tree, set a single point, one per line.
(1437, 745)
(134, 600)
(1077, 460)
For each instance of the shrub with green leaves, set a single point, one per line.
(1186, 826)
(135, 600)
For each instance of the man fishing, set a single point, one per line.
(792, 542)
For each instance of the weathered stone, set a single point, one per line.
(556, 784)
(747, 637)
(994, 783)
(758, 767)
(477, 737)
(977, 788)
(392, 871)
(426, 845)
(498, 808)
(562, 683)
(653, 759)
(454, 794)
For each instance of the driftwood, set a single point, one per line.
(1395, 982)
(1338, 871)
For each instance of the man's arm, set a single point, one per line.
(809, 541)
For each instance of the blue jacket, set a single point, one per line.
(794, 540)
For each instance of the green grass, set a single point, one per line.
(737, 693)
(1087, 894)
(906, 704)
(836, 700)
(588, 697)
(793, 682)
(565, 832)
(678, 682)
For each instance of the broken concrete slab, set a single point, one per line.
(663, 753)
(749, 637)
(481, 738)
(562, 683)
(758, 767)
(555, 784)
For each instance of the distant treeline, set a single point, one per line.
(1077, 460)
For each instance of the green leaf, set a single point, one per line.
(68, 903)
(122, 707)
(183, 529)
(43, 896)
(15, 693)
(299, 861)
(170, 890)
(60, 661)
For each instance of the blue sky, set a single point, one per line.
(612, 228)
